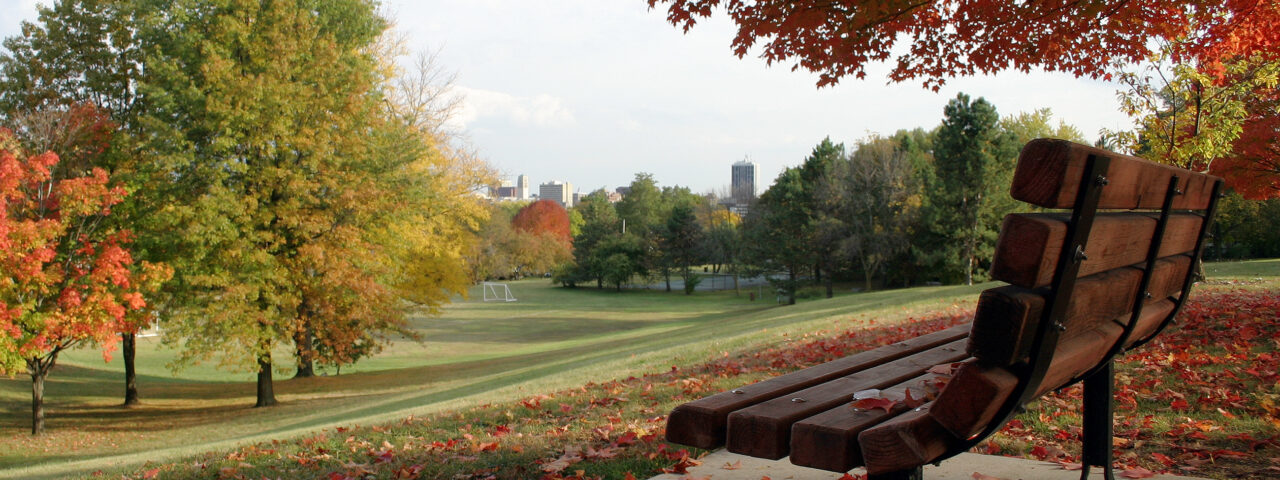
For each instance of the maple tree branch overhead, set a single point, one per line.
(947, 38)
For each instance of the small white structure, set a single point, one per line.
(497, 292)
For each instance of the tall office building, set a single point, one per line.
(522, 186)
(561, 192)
(743, 185)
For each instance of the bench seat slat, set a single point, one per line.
(905, 442)
(829, 440)
(702, 423)
(1029, 245)
(763, 430)
(1007, 317)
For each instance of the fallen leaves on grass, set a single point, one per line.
(1183, 404)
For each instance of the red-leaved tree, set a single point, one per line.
(66, 278)
(937, 39)
(544, 216)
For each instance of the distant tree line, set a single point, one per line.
(915, 207)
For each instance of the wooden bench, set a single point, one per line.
(1084, 285)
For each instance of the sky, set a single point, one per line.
(594, 91)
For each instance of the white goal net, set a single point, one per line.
(497, 292)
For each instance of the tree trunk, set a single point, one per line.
(828, 283)
(129, 343)
(666, 274)
(866, 274)
(736, 292)
(791, 286)
(305, 339)
(266, 397)
(968, 263)
(37, 401)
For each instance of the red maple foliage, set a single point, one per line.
(946, 38)
(1253, 169)
(68, 278)
(544, 216)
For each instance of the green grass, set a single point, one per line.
(475, 354)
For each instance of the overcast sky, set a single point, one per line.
(593, 91)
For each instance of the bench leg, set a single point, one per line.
(1098, 417)
(914, 474)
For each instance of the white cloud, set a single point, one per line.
(541, 110)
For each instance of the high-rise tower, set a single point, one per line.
(743, 185)
(522, 187)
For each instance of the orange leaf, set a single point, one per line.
(1137, 472)
(874, 403)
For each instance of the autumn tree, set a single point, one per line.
(1194, 115)
(1024, 127)
(67, 280)
(84, 58)
(544, 217)
(720, 244)
(322, 211)
(880, 200)
(938, 39)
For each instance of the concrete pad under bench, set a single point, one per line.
(960, 467)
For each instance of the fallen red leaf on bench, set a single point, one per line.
(874, 403)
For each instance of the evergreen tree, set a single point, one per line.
(681, 240)
(974, 166)
(777, 231)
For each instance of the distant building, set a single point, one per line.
(561, 192)
(614, 197)
(507, 193)
(522, 187)
(502, 191)
(744, 180)
(624, 191)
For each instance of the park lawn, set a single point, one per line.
(1174, 412)
(601, 410)
(476, 353)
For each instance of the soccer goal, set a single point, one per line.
(497, 292)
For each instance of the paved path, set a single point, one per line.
(961, 467)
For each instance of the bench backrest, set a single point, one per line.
(1106, 275)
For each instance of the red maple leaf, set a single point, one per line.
(874, 403)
